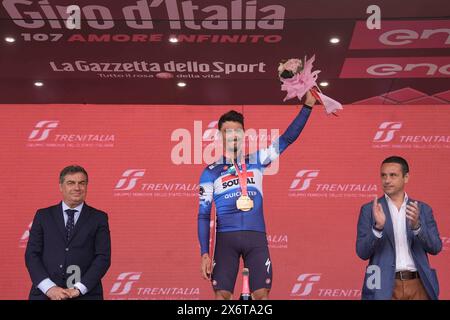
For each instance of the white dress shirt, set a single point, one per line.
(403, 257)
(46, 284)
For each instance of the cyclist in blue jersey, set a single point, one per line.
(234, 183)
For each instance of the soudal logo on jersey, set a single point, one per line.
(232, 180)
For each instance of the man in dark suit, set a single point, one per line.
(396, 234)
(69, 248)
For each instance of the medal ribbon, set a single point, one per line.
(242, 177)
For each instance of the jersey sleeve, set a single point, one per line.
(206, 191)
(267, 155)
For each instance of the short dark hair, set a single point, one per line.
(71, 170)
(401, 161)
(231, 116)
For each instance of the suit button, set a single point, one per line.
(60, 265)
(67, 249)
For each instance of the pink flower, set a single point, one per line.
(304, 79)
(293, 65)
(280, 68)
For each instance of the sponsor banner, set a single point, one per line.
(395, 67)
(144, 164)
(408, 34)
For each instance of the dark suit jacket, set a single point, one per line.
(48, 253)
(381, 251)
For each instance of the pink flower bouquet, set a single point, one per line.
(298, 78)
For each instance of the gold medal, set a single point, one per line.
(244, 203)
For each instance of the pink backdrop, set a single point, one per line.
(311, 204)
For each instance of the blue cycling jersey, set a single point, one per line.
(221, 184)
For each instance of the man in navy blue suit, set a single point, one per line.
(69, 248)
(396, 234)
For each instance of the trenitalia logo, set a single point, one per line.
(304, 177)
(43, 136)
(302, 186)
(193, 15)
(42, 130)
(129, 179)
(389, 136)
(386, 131)
(25, 236)
(445, 243)
(278, 241)
(131, 185)
(124, 283)
(305, 283)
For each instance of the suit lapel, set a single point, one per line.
(388, 226)
(58, 217)
(84, 216)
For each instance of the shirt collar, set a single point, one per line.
(78, 208)
(388, 199)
